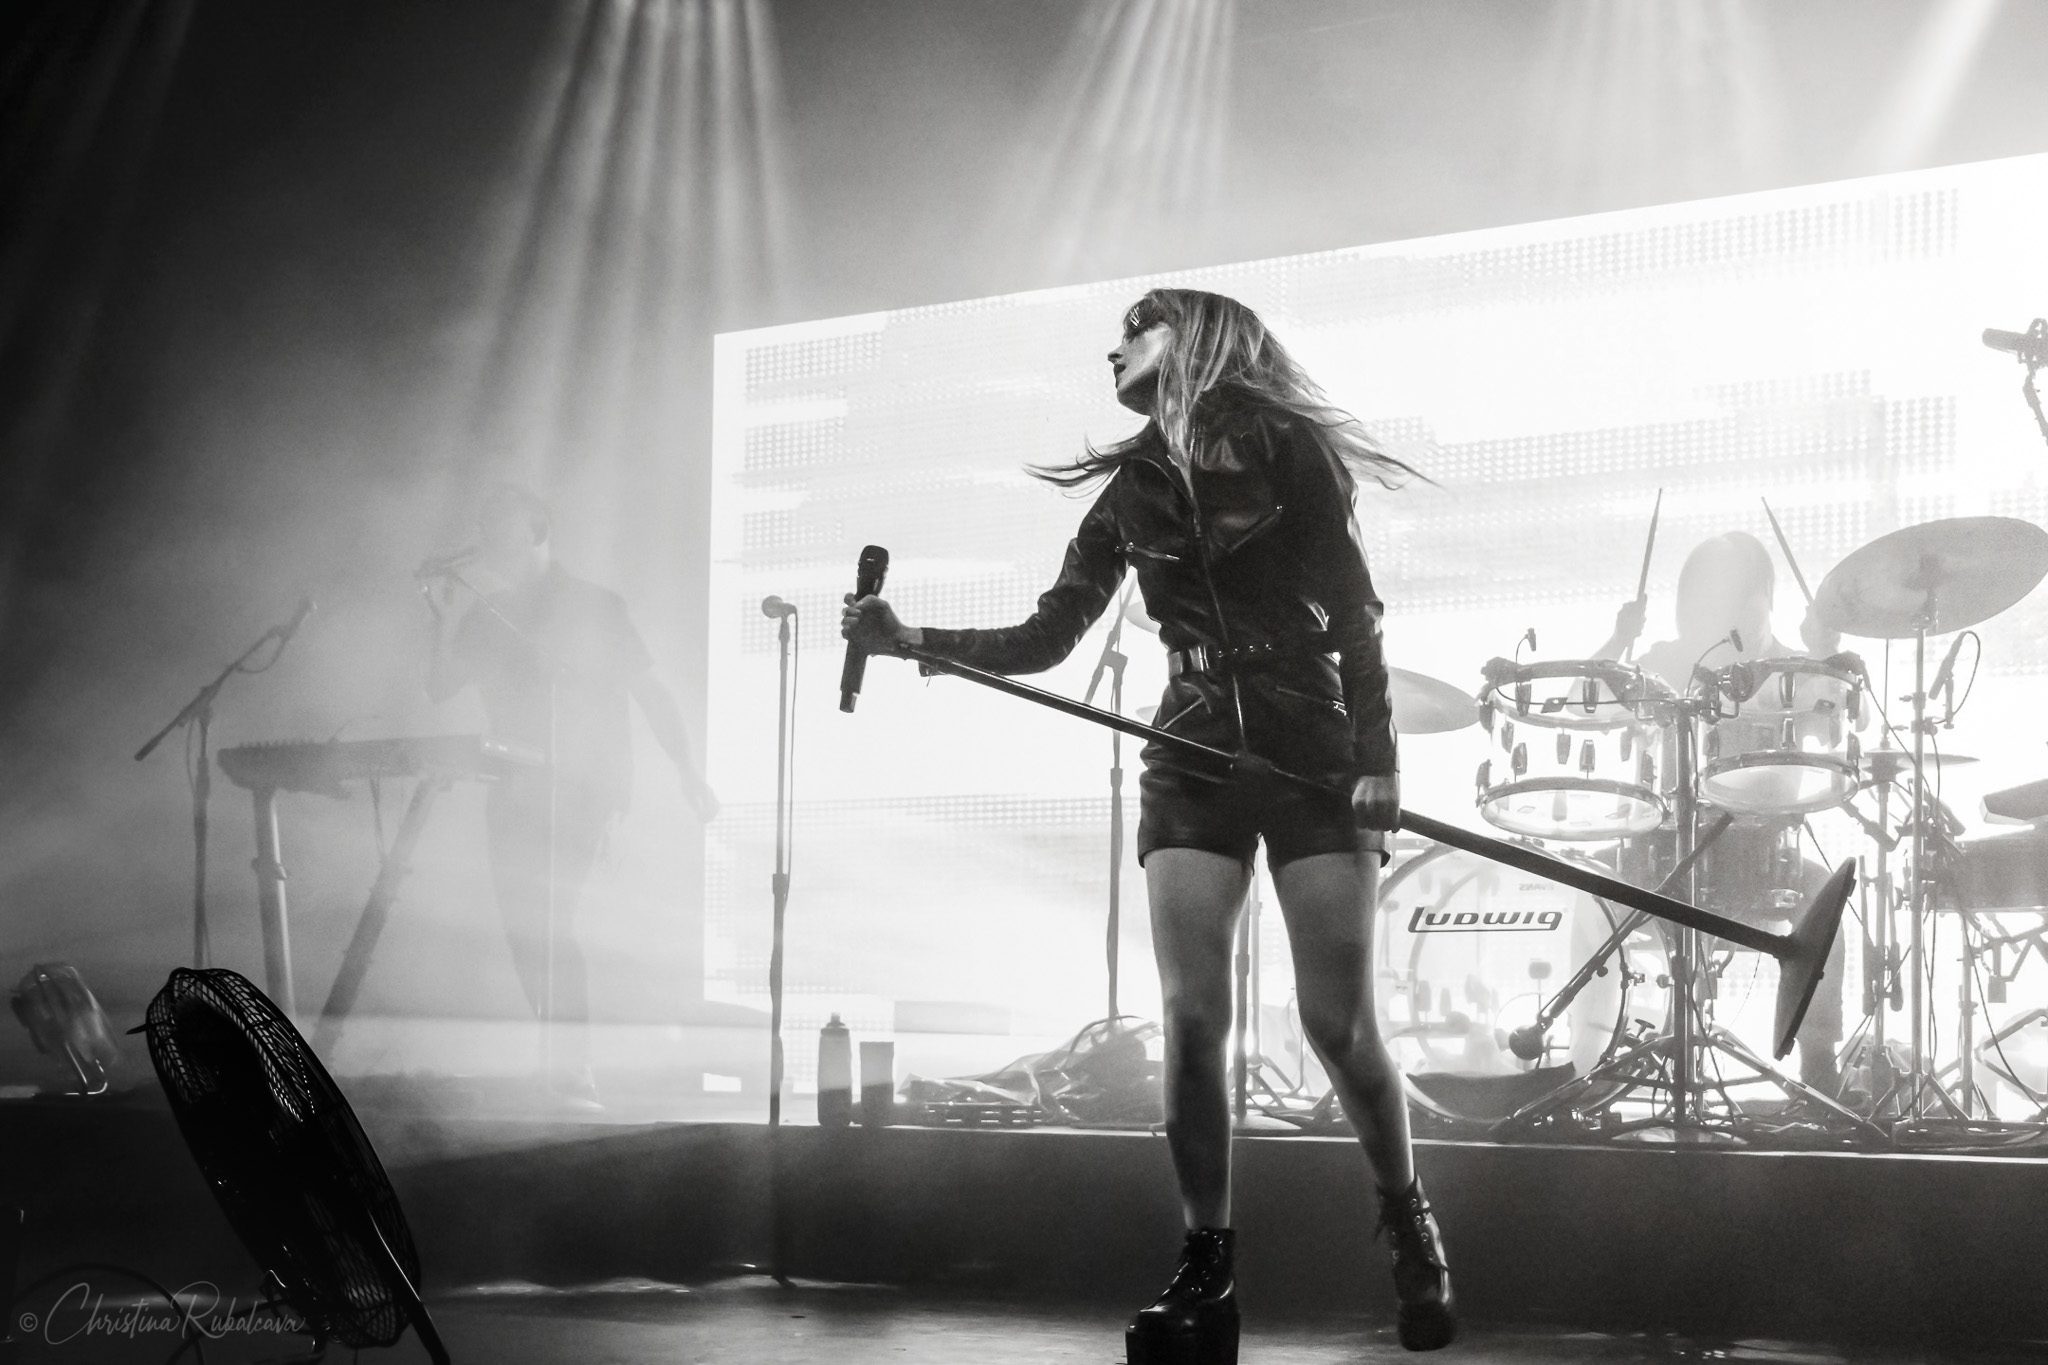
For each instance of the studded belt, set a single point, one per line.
(1202, 658)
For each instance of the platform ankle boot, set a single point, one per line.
(1422, 1278)
(1195, 1321)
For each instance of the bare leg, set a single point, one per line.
(1328, 901)
(1196, 897)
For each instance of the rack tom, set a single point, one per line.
(1578, 749)
(1781, 739)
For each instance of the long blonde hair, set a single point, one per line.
(1223, 356)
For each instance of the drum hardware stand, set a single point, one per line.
(1979, 942)
(1919, 1082)
(1670, 1063)
(1801, 952)
(1881, 979)
(1527, 1042)
(2039, 1118)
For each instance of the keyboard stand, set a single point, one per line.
(391, 872)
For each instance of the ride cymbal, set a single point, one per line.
(1939, 576)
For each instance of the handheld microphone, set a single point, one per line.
(434, 566)
(2031, 346)
(867, 581)
(774, 608)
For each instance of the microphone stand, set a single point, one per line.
(778, 883)
(1801, 953)
(199, 711)
(1112, 661)
(2033, 396)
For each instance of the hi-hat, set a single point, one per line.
(1428, 706)
(1882, 765)
(1937, 577)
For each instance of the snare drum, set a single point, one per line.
(1580, 749)
(1782, 740)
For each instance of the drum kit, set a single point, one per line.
(1521, 1008)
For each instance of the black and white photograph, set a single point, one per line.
(953, 682)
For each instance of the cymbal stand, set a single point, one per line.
(1671, 1065)
(1881, 966)
(1919, 1082)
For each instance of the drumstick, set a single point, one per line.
(1643, 578)
(1786, 546)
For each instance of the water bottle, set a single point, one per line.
(835, 1075)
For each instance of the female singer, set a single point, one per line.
(1234, 505)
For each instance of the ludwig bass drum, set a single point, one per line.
(1466, 951)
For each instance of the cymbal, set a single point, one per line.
(1135, 614)
(1427, 706)
(1885, 764)
(1939, 576)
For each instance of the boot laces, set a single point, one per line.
(1201, 1261)
(1406, 1224)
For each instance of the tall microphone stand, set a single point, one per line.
(778, 885)
(2033, 357)
(199, 712)
(778, 881)
(1112, 662)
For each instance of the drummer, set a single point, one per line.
(1724, 602)
(1724, 615)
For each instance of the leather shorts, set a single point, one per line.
(1295, 718)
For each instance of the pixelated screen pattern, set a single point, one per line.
(1817, 347)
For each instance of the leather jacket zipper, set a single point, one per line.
(1324, 703)
(1215, 604)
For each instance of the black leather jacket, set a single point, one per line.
(1264, 557)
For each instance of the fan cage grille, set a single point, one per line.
(287, 1161)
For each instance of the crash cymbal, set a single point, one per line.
(1939, 576)
(1134, 614)
(1426, 706)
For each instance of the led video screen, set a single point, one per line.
(951, 876)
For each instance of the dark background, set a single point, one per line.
(282, 286)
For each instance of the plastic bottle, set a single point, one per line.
(835, 1075)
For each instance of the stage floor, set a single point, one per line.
(1037, 1244)
(758, 1322)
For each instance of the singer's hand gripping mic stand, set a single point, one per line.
(1801, 953)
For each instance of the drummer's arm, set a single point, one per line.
(1825, 642)
(1628, 626)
